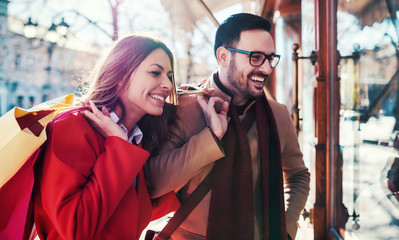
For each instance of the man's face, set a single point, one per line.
(246, 80)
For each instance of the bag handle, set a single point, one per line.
(30, 121)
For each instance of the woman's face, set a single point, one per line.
(149, 86)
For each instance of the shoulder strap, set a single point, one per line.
(182, 213)
(199, 193)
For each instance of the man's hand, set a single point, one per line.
(216, 121)
(102, 121)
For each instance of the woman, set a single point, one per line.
(91, 184)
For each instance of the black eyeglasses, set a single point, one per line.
(256, 59)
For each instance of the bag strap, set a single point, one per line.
(199, 193)
(191, 202)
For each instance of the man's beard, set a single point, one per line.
(240, 83)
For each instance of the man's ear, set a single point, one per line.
(223, 56)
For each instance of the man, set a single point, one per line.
(259, 162)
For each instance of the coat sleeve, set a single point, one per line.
(190, 148)
(295, 173)
(84, 180)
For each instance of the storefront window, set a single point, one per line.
(369, 115)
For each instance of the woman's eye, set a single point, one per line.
(155, 73)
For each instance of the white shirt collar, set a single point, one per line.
(136, 134)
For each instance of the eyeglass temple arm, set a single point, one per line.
(238, 50)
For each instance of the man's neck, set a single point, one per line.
(239, 100)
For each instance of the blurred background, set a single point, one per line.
(47, 47)
(340, 81)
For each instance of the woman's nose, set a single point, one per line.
(166, 83)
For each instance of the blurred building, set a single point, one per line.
(33, 70)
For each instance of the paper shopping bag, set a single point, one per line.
(18, 142)
(22, 134)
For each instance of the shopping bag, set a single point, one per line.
(22, 134)
(14, 201)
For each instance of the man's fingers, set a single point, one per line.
(224, 109)
(203, 81)
(214, 100)
(208, 90)
(210, 106)
(202, 103)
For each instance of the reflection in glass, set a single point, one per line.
(368, 126)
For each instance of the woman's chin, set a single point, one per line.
(155, 112)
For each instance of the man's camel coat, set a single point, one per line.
(190, 154)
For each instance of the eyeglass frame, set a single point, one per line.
(267, 56)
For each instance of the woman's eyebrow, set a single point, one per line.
(156, 64)
(160, 66)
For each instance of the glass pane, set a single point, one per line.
(306, 92)
(288, 31)
(369, 114)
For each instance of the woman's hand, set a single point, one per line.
(216, 121)
(102, 121)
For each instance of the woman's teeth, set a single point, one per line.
(158, 97)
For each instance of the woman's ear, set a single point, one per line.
(223, 56)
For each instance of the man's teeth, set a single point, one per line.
(158, 97)
(258, 79)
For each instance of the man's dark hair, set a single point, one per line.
(229, 31)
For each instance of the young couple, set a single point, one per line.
(92, 183)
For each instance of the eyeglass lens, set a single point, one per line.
(257, 59)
